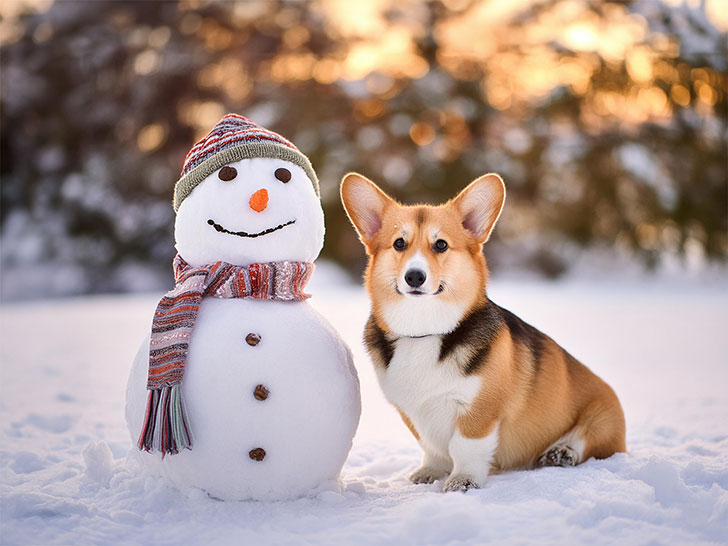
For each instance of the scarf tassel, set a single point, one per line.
(166, 428)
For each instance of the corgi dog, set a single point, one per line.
(480, 389)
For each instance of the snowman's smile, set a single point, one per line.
(221, 229)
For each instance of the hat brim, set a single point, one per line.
(251, 150)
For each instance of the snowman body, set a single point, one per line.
(267, 377)
(271, 392)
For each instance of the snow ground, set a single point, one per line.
(661, 345)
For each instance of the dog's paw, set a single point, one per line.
(460, 482)
(425, 474)
(559, 456)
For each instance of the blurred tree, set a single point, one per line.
(607, 120)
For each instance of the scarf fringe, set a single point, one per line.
(166, 427)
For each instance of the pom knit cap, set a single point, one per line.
(235, 138)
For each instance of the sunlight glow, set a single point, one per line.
(229, 75)
(201, 115)
(717, 12)
(152, 137)
(517, 64)
(680, 95)
(581, 36)
(422, 133)
(393, 53)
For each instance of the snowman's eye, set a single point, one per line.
(227, 173)
(284, 175)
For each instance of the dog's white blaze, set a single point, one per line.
(416, 261)
(432, 394)
(472, 457)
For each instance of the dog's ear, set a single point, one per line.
(365, 204)
(480, 205)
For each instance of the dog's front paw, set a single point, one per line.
(460, 482)
(426, 474)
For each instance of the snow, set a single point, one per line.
(661, 345)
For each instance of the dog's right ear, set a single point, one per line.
(365, 204)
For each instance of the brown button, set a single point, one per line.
(257, 454)
(252, 339)
(261, 392)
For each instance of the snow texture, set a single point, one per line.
(66, 478)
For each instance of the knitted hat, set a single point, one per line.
(235, 138)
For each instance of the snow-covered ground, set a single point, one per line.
(663, 346)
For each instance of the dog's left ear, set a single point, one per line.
(480, 205)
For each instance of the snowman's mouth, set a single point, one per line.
(221, 229)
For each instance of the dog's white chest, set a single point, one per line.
(433, 394)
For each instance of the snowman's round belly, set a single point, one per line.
(272, 398)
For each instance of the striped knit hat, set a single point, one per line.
(235, 138)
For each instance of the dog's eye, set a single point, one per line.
(227, 173)
(399, 244)
(440, 246)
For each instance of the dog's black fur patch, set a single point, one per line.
(476, 360)
(526, 334)
(477, 331)
(377, 342)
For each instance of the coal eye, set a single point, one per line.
(227, 173)
(284, 175)
(440, 246)
(399, 244)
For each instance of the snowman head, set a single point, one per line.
(247, 195)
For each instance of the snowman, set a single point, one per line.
(242, 389)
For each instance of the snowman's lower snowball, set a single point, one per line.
(304, 424)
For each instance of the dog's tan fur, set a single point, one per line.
(532, 398)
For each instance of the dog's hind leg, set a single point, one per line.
(599, 433)
(603, 427)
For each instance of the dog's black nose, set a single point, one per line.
(415, 278)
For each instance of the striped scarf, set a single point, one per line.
(166, 425)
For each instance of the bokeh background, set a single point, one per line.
(606, 119)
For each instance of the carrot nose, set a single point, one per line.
(259, 200)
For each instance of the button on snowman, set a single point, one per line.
(243, 389)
